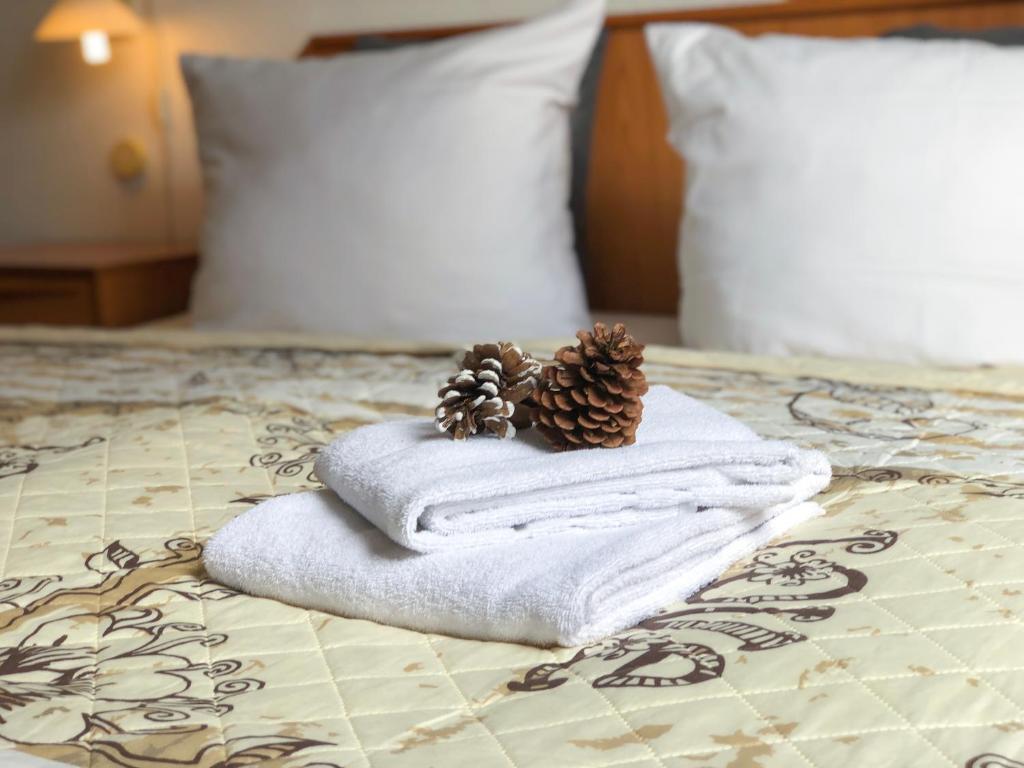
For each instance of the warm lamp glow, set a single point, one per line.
(91, 22)
(95, 46)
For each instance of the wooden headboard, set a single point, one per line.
(635, 179)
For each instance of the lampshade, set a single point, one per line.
(92, 22)
(70, 19)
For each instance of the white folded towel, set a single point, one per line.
(568, 588)
(428, 492)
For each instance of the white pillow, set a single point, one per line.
(858, 198)
(415, 193)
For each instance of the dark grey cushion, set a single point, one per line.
(581, 124)
(995, 35)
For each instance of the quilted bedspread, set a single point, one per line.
(887, 633)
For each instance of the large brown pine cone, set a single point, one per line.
(495, 378)
(591, 396)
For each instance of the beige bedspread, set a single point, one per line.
(886, 633)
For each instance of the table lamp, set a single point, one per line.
(91, 22)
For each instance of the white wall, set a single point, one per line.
(58, 120)
(59, 117)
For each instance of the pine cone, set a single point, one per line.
(591, 396)
(483, 396)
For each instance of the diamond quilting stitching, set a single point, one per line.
(195, 418)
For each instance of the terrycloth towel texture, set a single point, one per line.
(428, 492)
(569, 588)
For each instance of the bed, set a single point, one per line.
(887, 632)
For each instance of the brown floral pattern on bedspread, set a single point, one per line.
(78, 690)
(841, 644)
(176, 683)
(797, 569)
(22, 459)
(993, 761)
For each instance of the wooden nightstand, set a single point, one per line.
(106, 285)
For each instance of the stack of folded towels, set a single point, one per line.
(504, 540)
